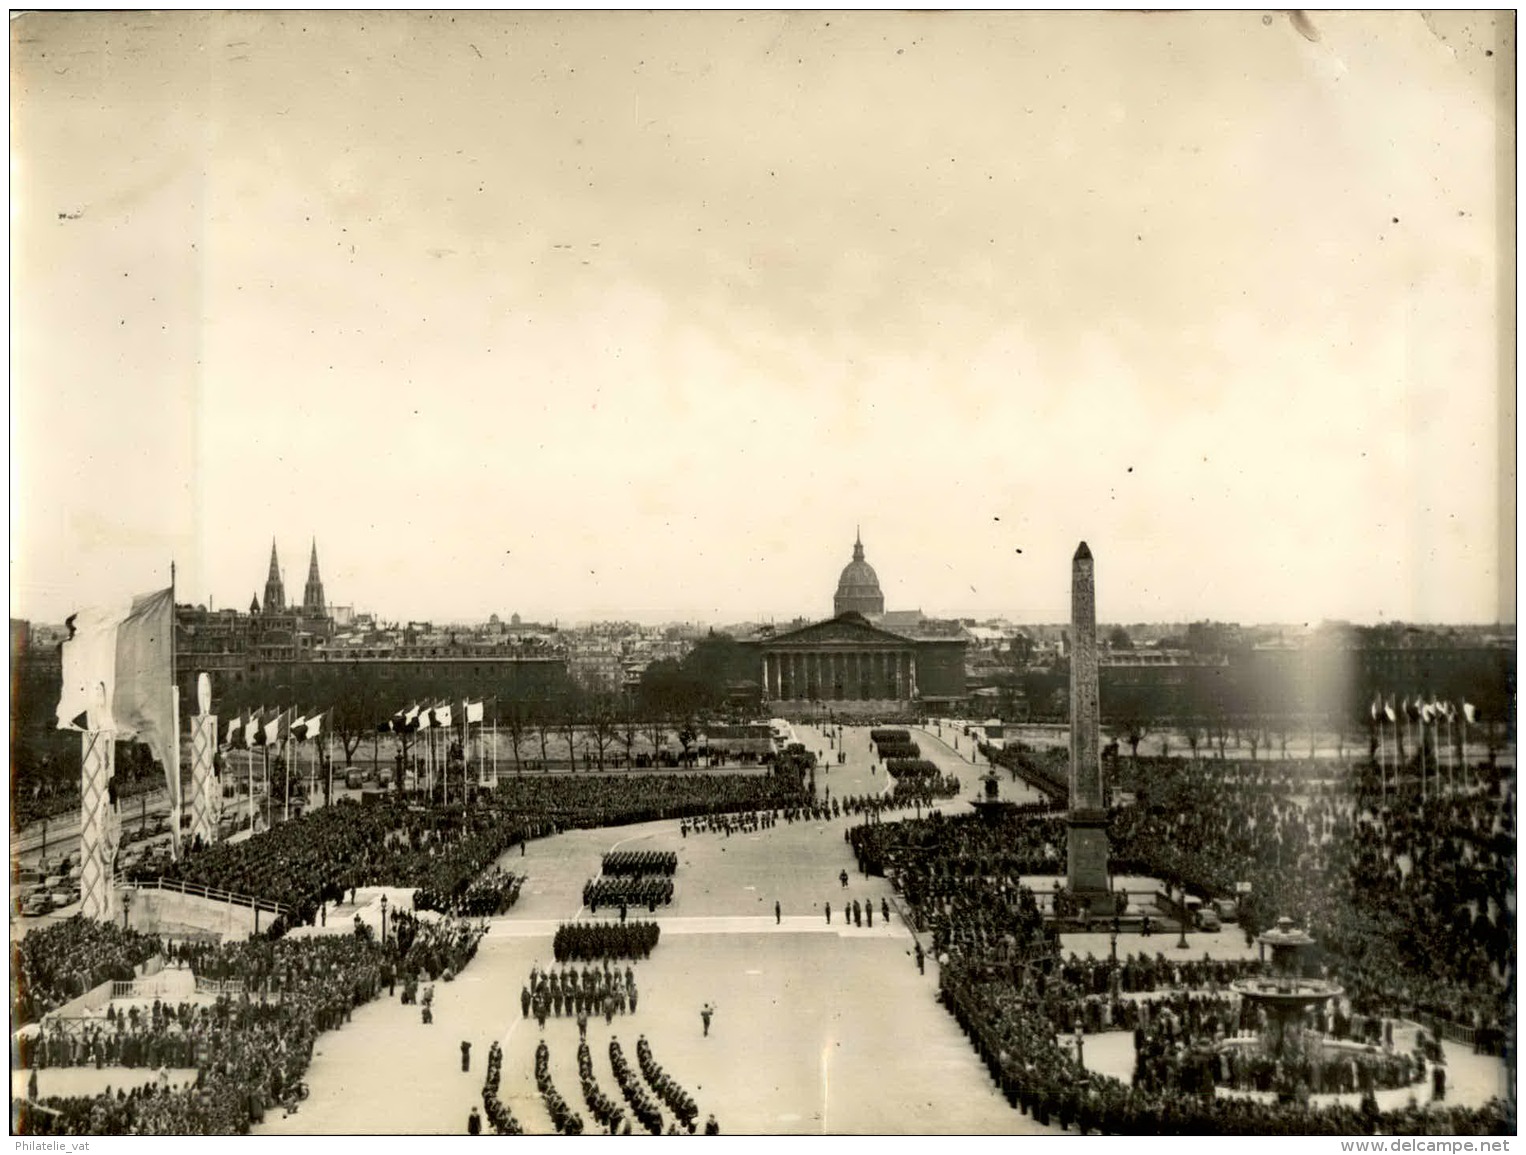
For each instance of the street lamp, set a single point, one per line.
(384, 920)
(1181, 942)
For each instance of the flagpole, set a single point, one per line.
(174, 752)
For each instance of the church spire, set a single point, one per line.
(858, 544)
(312, 594)
(275, 589)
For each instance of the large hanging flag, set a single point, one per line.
(235, 731)
(1469, 712)
(442, 716)
(411, 720)
(119, 675)
(473, 712)
(254, 729)
(1388, 711)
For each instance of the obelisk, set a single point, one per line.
(1086, 843)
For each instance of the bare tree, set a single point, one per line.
(515, 721)
(571, 709)
(356, 707)
(603, 725)
(1193, 733)
(630, 730)
(656, 730)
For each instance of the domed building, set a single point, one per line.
(858, 590)
(861, 660)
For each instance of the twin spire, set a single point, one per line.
(275, 587)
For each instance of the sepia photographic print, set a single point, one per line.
(763, 573)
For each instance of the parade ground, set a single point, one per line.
(818, 1027)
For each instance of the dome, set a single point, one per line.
(858, 590)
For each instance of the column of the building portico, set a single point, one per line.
(913, 667)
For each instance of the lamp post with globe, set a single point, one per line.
(384, 920)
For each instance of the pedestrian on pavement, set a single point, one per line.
(869, 913)
(843, 878)
(778, 913)
(921, 959)
(705, 1012)
(711, 1126)
(474, 1123)
(466, 1055)
(885, 910)
(829, 913)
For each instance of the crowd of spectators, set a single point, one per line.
(1044, 1079)
(66, 959)
(321, 856)
(1003, 977)
(597, 941)
(1409, 898)
(250, 1051)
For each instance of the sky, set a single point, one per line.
(641, 316)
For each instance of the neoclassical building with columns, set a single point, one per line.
(853, 664)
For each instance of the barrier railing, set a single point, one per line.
(211, 893)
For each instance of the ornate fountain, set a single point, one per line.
(1285, 994)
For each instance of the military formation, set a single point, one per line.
(625, 891)
(563, 1118)
(578, 993)
(597, 941)
(635, 863)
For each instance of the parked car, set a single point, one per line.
(1226, 908)
(1207, 920)
(38, 903)
(354, 780)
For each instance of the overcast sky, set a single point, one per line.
(638, 316)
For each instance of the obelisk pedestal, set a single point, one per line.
(1086, 842)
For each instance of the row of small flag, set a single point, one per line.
(254, 729)
(1419, 710)
(439, 717)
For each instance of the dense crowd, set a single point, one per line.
(63, 961)
(319, 857)
(563, 1117)
(597, 941)
(250, 1053)
(1046, 1080)
(1410, 900)
(1005, 981)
